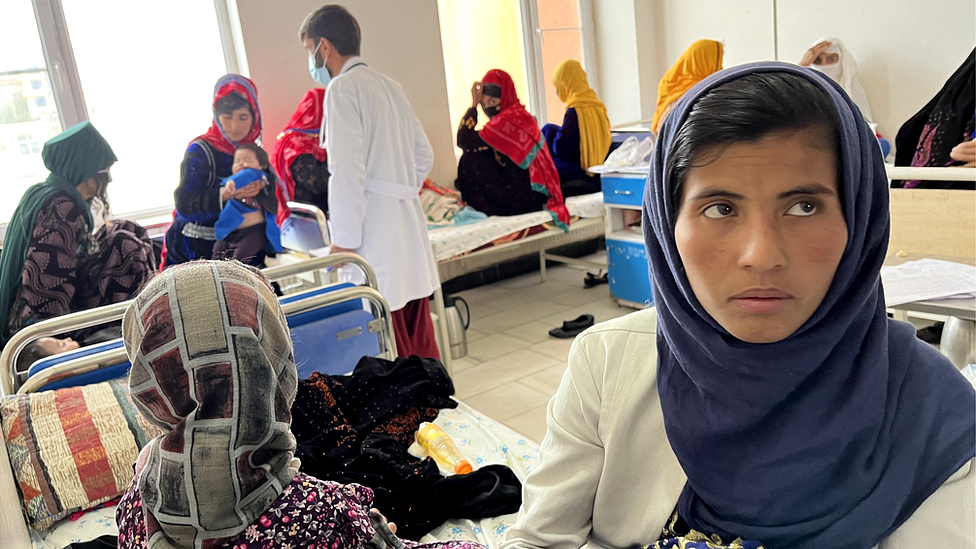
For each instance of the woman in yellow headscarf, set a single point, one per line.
(583, 140)
(701, 59)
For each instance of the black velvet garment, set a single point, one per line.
(357, 428)
(489, 181)
(927, 138)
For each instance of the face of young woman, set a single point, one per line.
(236, 124)
(244, 158)
(760, 232)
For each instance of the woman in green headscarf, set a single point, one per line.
(51, 264)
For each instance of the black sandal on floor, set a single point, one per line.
(571, 328)
(591, 280)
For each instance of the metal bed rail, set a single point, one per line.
(93, 317)
(313, 212)
(83, 365)
(318, 263)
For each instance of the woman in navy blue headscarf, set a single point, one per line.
(768, 398)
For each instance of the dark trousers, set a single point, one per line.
(245, 245)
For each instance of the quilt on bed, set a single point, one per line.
(450, 242)
(481, 440)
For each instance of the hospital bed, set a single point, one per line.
(464, 249)
(481, 440)
(306, 234)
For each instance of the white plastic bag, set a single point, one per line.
(624, 153)
(631, 153)
(644, 150)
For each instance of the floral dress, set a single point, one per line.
(309, 514)
(678, 535)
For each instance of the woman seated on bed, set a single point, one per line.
(220, 382)
(701, 59)
(54, 262)
(829, 56)
(583, 140)
(767, 397)
(942, 133)
(505, 169)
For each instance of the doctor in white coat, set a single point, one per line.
(379, 157)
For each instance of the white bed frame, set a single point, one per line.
(587, 228)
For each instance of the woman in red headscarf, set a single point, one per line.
(208, 160)
(299, 159)
(506, 169)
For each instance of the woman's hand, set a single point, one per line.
(476, 93)
(813, 53)
(249, 191)
(227, 191)
(965, 152)
(389, 524)
(333, 249)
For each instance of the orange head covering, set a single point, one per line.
(594, 125)
(701, 59)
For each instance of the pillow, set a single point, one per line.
(72, 448)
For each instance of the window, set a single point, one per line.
(148, 124)
(560, 38)
(477, 37)
(22, 71)
(526, 38)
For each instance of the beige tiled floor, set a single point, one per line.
(513, 366)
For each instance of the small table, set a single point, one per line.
(959, 308)
(958, 349)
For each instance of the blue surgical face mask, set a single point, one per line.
(319, 74)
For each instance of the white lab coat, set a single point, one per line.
(379, 157)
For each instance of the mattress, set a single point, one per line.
(451, 242)
(480, 439)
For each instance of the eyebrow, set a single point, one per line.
(716, 193)
(801, 190)
(808, 189)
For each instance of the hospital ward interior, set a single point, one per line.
(488, 274)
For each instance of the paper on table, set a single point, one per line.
(926, 280)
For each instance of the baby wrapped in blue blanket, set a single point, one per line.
(247, 230)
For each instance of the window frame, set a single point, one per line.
(536, 80)
(59, 60)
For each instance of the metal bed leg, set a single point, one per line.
(441, 333)
(542, 264)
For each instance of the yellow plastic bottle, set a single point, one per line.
(440, 447)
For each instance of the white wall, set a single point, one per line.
(906, 48)
(744, 26)
(637, 41)
(615, 37)
(400, 38)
